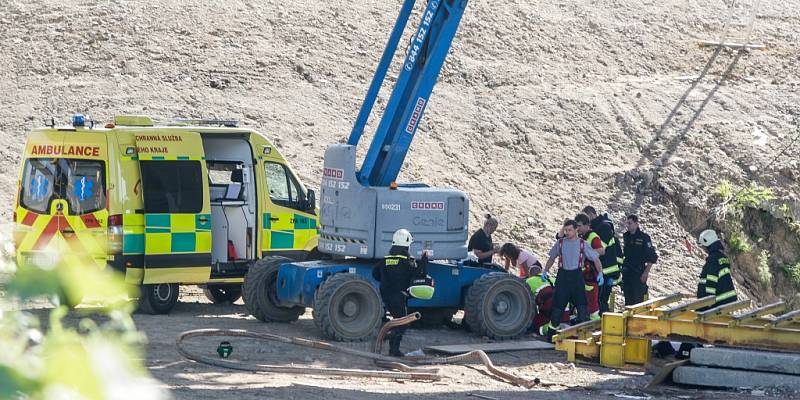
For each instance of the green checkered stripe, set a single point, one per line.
(171, 233)
(161, 158)
(292, 231)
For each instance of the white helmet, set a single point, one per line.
(708, 237)
(402, 238)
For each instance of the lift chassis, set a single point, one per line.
(361, 208)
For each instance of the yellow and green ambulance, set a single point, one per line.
(191, 202)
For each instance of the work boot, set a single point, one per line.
(394, 346)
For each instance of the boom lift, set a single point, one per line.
(361, 209)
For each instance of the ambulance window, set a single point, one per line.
(38, 181)
(283, 188)
(85, 185)
(172, 187)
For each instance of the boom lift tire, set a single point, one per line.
(158, 298)
(260, 292)
(433, 318)
(223, 294)
(348, 308)
(499, 306)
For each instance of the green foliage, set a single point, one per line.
(793, 273)
(90, 361)
(764, 273)
(784, 210)
(735, 199)
(738, 243)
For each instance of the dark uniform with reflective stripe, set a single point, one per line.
(395, 273)
(638, 251)
(715, 278)
(611, 260)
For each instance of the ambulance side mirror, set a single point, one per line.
(311, 201)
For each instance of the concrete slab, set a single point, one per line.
(733, 378)
(753, 360)
(492, 347)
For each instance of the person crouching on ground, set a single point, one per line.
(522, 259)
(395, 273)
(571, 252)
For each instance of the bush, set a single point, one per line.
(91, 361)
(793, 273)
(764, 274)
(738, 243)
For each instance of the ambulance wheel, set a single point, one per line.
(499, 306)
(158, 298)
(348, 308)
(260, 292)
(433, 318)
(223, 294)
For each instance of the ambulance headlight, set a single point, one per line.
(78, 120)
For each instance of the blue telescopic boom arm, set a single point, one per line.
(423, 63)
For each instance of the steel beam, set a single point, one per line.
(760, 312)
(690, 306)
(652, 304)
(648, 327)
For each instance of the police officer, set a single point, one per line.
(395, 273)
(611, 257)
(640, 255)
(715, 278)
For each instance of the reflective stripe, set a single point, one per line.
(712, 278)
(611, 242)
(726, 295)
(702, 281)
(724, 261)
(393, 259)
(588, 288)
(611, 269)
(620, 260)
(711, 290)
(723, 272)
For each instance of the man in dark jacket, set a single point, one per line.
(640, 255)
(395, 273)
(611, 257)
(715, 278)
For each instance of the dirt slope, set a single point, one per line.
(543, 107)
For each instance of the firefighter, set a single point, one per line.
(590, 273)
(571, 252)
(640, 255)
(611, 257)
(715, 278)
(395, 273)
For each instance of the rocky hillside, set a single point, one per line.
(543, 107)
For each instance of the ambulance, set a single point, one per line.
(194, 202)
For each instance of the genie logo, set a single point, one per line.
(427, 205)
(415, 116)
